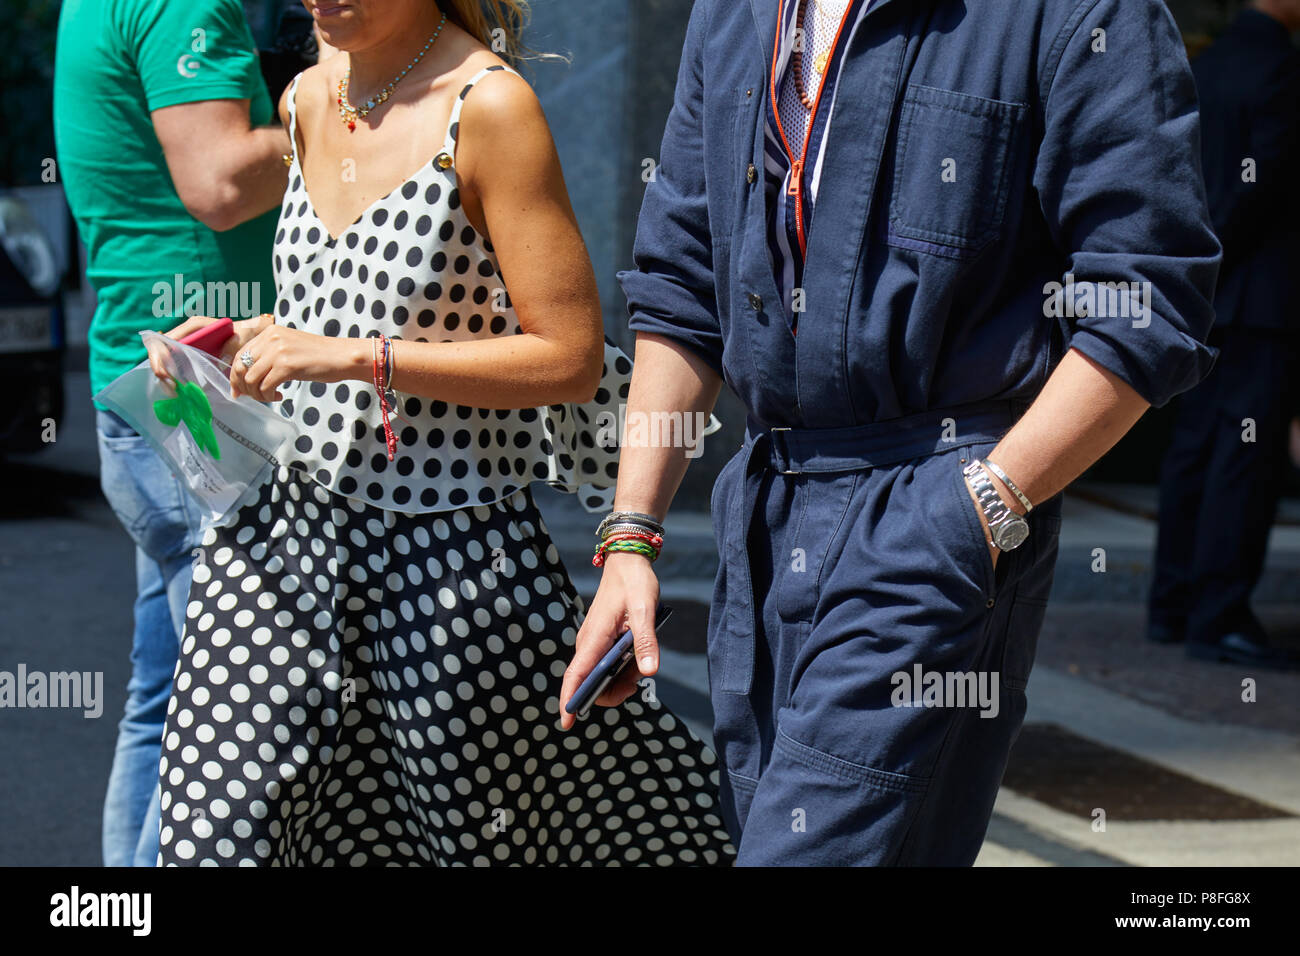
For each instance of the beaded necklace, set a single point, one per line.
(796, 60)
(350, 114)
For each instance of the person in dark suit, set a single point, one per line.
(1223, 474)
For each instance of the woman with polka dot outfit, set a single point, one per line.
(374, 644)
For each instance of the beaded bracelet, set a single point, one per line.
(381, 376)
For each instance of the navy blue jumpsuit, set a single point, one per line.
(850, 550)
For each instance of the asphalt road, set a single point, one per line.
(67, 581)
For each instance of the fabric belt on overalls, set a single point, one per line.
(796, 451)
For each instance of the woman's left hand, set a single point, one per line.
(282, 355)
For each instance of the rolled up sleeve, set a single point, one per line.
(671, 291)
(1119, 181)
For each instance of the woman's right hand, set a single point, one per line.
(627, 598)
(245, 330)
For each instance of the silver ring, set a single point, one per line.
(247, 359)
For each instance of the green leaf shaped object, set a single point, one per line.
(192, 407)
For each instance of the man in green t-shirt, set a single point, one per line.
(172, 176)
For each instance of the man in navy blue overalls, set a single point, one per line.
(946, 252)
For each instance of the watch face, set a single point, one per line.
(1011, 534)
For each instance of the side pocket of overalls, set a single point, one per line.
(974, 545)
(725, 626)
(1032, 586)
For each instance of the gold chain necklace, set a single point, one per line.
(350, 114)
(821, 59)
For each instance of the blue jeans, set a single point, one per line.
(164, 522)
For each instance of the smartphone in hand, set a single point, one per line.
(611, 665)
(211, 337)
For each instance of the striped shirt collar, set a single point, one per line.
(777, 164)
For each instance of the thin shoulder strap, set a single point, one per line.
(293, 116)
(453, 124)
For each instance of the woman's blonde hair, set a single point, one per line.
(498, 24)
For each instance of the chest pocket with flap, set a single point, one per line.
(952, 168)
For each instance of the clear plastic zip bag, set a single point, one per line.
(222, 449)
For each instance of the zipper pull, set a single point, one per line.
(796, 178)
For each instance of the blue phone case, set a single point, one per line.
(610, 666)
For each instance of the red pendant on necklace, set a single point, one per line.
(352, 124)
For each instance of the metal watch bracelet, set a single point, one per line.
(1007, 529)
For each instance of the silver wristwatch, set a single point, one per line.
(1009, 530)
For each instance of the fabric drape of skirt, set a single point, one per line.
(361, 686)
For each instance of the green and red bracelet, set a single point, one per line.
(634, 542)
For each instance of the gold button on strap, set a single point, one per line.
(443, 160)
(288, 159)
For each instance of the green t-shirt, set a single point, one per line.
(152, 263)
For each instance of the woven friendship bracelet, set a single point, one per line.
(624, 545)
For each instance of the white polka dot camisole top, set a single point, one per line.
(414, 268)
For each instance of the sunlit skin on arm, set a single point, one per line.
(665, 375)
(224, 171)
(1080, 414)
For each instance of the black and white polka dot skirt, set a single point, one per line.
(360, 686)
